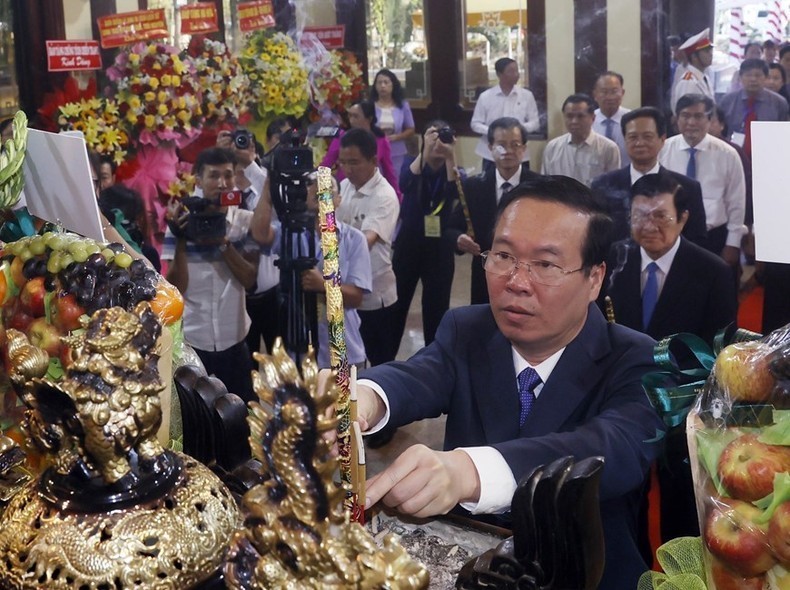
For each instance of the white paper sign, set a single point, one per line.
(771, 190)
(59, 183)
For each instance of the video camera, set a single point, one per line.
(204, 225)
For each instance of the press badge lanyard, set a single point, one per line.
(433, 223)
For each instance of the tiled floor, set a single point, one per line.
(429, 432)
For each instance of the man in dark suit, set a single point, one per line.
(702, 309)
(690, 291)
(536, 375)
(645, 130)
(507, 139)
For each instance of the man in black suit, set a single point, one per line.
(536, 375)
(507, 140)
(662, 284)
(645, 130)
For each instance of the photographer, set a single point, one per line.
(423, 250)
(208, 265)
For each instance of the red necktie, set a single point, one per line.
(751, 115)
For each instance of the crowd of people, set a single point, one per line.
(625, 217)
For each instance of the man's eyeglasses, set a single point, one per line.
(513, 146)
(657, 218)
(540, 271)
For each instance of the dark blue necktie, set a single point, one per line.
(528, 380)
(608, 123)
(649, 295)
(691, 167)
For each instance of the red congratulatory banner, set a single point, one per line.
(119, 29)
(199, 18)
(67, 56)
(332, 37)
(255, 15)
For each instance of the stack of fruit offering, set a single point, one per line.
(739, 441)
(49, 282)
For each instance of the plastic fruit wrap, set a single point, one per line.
(739, 446)
(49, 282)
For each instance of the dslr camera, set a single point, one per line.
(242, 139)
(447, 135)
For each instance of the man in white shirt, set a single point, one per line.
(581, 153)
(369, 203)
(504, 100)
(212, 273)
(536, 375)
(608, 92)
(718, 169)
(699, 50)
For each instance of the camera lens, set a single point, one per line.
(446, 135)
(241, 140)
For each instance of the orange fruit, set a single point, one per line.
(168, 303)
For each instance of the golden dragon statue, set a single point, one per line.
(114, 509)
(296, 533)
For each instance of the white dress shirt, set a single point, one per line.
(720, 174)
(583, 161)
(374, 207)
(493, 104)
(599, 126)
(497, 482)
(636, 174)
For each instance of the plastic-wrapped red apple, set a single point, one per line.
(742, 371)
(66, 312)
(779, 533)
(725, 579)
(747, 467)
(732, 535)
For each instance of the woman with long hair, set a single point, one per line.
(393, 113)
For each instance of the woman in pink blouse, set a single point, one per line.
(362, 115)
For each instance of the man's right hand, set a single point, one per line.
(370, 408)
(467, 245)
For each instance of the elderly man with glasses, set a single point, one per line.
(717, 167)
(507, 140)
(536, 375)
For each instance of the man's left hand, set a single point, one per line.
(731, 255)
(423, 482)
(312, 280)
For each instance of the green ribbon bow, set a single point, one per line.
(673, 389)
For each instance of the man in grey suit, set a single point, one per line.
(535, 375)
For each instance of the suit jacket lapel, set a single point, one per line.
(674, 282)
(493, 383)
(572, 380)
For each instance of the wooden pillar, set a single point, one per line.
(352, 15)
(590, 49)
(689, 18)
(35, 21)
(655, 52)
(444, 27)
(536, 51)
(101, 8)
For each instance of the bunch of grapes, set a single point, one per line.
(98, 276)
